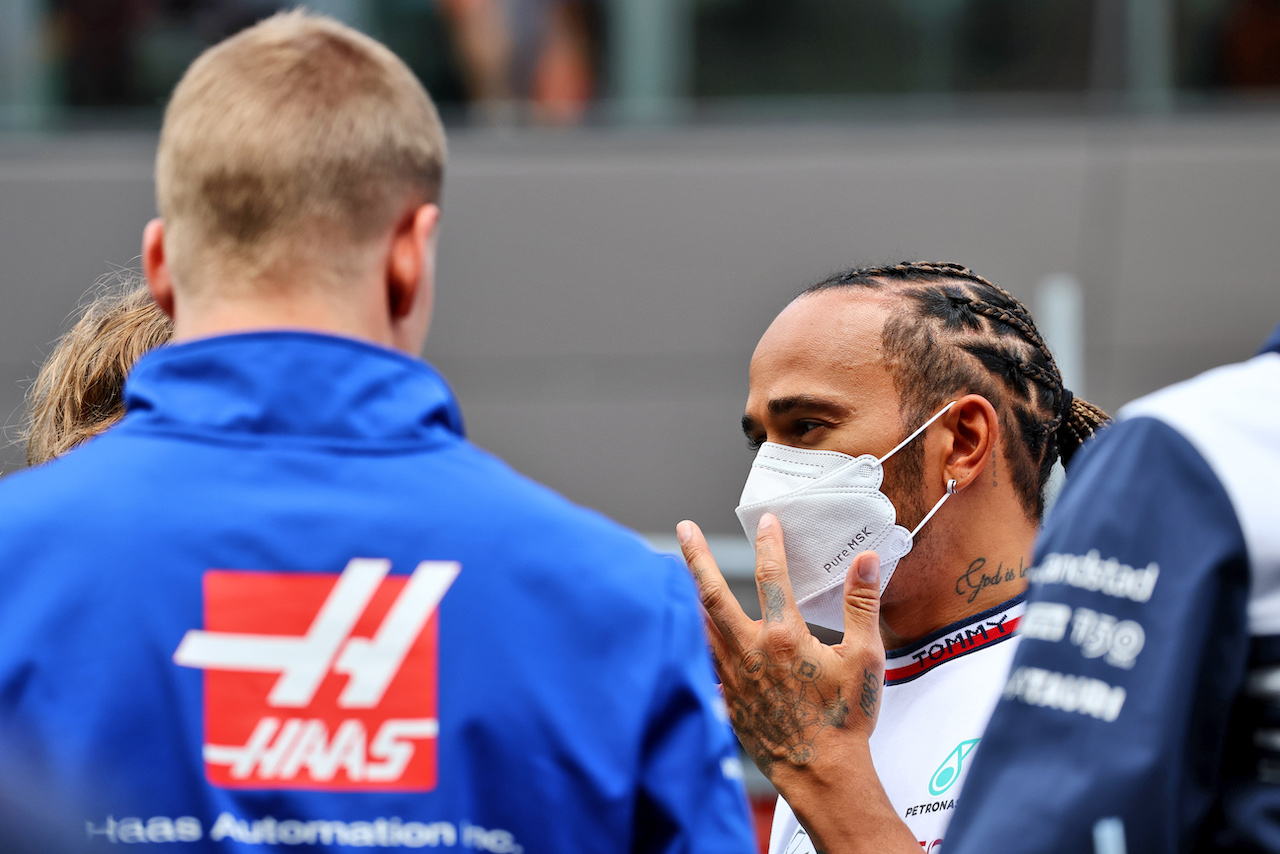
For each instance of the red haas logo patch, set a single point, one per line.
(320, 681)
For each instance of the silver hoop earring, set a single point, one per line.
(951, 486)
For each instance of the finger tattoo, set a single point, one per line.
(870, 693)
(773, 601)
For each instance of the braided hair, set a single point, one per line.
(964, 334)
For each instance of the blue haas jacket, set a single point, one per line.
(286, 606)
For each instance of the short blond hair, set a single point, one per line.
(292, 135)
(79, 391)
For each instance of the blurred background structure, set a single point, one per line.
(85, 63)
(638, 186)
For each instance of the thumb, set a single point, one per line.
(862, 597)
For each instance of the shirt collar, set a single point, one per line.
(292, 383)
(962, 637)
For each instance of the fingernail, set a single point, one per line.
(684, 532)
(767, 521)
(869, 568)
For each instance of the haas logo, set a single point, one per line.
(320, 681)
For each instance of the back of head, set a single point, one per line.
(285, 146)
(963, 334)
(79, 391)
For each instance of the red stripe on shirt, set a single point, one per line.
(915, 668)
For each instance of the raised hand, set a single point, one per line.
(785, 689)
(804, 710)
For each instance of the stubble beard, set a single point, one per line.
(904, 486)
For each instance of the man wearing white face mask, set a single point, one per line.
(933, 385)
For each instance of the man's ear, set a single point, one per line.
(155, 266)
(974, 434)
(411, 262)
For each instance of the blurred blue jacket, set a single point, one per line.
(559, 697)
(1142, 710)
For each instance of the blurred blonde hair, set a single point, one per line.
(79, 391)
(296, 138)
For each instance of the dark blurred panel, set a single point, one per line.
(803, 47)
(130, 53)
(1249, 49)
(418, 34)
(1011, 45)
(816, 47)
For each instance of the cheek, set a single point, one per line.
(903, 484)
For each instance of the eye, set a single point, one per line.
(805, 426)
(754, 442)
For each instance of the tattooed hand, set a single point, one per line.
(794, 701)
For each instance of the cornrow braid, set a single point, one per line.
(969, 334)
(1083, 419)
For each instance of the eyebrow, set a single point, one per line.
(783, 405)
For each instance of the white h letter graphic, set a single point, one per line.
(303, 662)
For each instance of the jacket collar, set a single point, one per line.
(291, 383)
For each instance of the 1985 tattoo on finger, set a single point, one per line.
(870, 695)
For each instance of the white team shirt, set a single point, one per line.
(939, 693)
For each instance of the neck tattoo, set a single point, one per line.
(980, 576)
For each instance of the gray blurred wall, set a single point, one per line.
(600, 293)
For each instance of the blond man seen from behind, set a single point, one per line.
(284, 601)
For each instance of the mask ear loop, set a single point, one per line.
(951, 490)
(951, 484)
(941, 412)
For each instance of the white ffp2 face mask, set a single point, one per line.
(831, 508)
